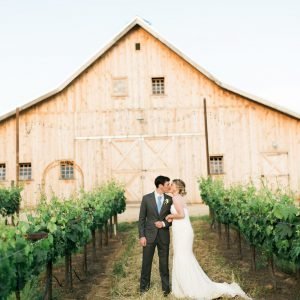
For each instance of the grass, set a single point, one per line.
(127, 269)
(32, 290)
(220, 264)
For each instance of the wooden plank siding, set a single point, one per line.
(138, 136)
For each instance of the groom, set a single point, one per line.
(154, 231)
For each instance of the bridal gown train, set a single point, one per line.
(188, 278)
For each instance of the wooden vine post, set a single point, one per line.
(94, 244)
(84, 263)
(106, 233)
(115, 224)
(101, 237)
(110, 227)
(239, 240)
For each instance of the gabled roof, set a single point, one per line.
(142, 23)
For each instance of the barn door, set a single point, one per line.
(126, 165)
(136, 162)
(275, 169)
(158, 159)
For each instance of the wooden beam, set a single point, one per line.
(206, 137)
(17, 145)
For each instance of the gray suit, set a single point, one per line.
(159, 237)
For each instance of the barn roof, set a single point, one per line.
(142, 23)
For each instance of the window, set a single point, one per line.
(67, 170)
(137, 46)
(119, 87)
(158, 86)
(25, 171)
(2, 171)
(216, 164)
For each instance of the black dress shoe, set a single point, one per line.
(166, 294)
(142, 292)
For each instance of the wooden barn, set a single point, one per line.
(136, 110)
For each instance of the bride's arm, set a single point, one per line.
(179, 209)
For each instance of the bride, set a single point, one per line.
(188, 278)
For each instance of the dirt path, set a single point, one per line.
(221, 265)
(96, 284)
(116, 271)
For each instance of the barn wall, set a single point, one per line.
(137, 136)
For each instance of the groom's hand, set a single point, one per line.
(159, 224)
(143, 241)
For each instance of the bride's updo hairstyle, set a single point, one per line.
(180, 186)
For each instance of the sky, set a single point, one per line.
(252, 45)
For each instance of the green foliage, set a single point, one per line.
(32, 290)
(68, 225)
(268, 220)
(7, 265)
(10, 199)
(108, 200)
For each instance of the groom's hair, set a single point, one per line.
(161, 180)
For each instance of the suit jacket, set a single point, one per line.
(149, 215)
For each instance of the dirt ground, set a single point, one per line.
(115, 273)
(259, 284)
(221, 265)
(96, 284)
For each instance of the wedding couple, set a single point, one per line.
(158, 212)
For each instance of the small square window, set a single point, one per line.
(137, 46)
(158, 86)
(67, 170)
(119, 87)
(2, 171)
(25, 171)
(216, 165)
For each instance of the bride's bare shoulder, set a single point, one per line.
(180, 200)
(177, 197)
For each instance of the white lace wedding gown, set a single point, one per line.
(188, 278)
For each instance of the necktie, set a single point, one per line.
(159, 198)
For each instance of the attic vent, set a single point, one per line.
(120, 87)
(137, 46)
